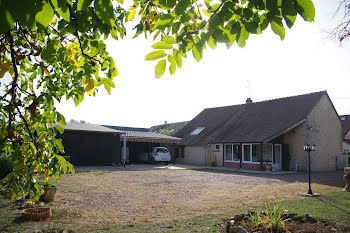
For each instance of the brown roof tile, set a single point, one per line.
(254, 122)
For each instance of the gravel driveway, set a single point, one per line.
(114, 196)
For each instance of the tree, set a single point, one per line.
(54, 49)
(342, 30)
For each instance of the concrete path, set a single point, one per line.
(138, 167)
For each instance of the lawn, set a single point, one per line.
(177, 200)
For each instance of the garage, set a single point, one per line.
(90, 144)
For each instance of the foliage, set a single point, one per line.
(272, 220)
(6, 166)
(167, 132)
(54, 49)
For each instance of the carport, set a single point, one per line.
(89, 144)
(139, 142)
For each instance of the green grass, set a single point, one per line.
(334, 206)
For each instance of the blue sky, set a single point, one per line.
(306, 61)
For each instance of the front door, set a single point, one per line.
(278, 157)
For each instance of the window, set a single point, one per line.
(177, 152)
(217, 147)
(197, 131)
(246, 152)
(251, 153)
(255, 152)
(267, 152)
(231, 152)
(343, 118)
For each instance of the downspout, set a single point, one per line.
(124, 150)
(205, 154)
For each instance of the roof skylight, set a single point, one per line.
(197, 131)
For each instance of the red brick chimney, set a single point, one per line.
(249, 101)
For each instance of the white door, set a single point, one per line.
(278, 157)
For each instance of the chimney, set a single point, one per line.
(249, 101)
(165, 122)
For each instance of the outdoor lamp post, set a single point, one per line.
(309, 148)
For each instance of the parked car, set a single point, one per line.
(160, 154)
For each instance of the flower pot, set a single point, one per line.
(49, 194)
(347, 171)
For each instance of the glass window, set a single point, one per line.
(246, 153)
(267, 152)
(217, 147)
(235, 152)
(228, 152)
(255, 152)
(197, 131)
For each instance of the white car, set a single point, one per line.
(160, 154)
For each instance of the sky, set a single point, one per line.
(306, 61)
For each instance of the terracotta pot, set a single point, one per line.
(49, 194)
(36, 213)
(347, 171)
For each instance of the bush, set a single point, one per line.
(6, 166)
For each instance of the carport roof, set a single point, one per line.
(87, 127)
(139, 136)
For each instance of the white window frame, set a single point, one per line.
(216, 145)
(273, 149)
(230, 144)
(251, 153)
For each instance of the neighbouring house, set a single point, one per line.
(268, 133)
(170, 127)
(90, 144)
(140, 142)
(345, 121)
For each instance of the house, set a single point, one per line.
(90, 144)
(345, 121)
(254, 135)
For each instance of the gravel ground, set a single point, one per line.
(114, 196)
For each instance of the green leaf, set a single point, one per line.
(277, 28)
(197, 52)
(178, 58)
(162, 45)
(62, 8)
(155, 55)
(181, 6)
(306, 9)
(160, 68)
(169, 39)
(212, 43)
(167, 4)
(83, 4)
(44, 16)
(164, 21)
(172, 67)
(104, 10)
(289, 13)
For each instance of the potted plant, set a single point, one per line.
(268, 166)
(49, 192)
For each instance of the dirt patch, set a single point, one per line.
(293, 223)
(128, 197)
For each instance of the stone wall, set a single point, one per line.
(195, 155)
(323, 129)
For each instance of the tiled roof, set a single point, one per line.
(169, 126)
(345, 123)
(87, 127)
(253, 122)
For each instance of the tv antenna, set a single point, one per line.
(248, 86)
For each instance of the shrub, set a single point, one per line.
(271, 220)
(6, 166)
